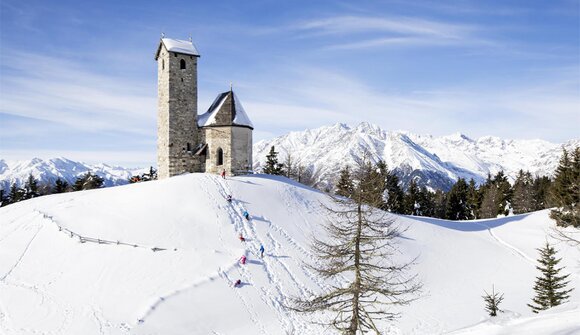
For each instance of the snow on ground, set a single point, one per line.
(160, 258)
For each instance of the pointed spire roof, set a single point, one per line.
(178, 46)
(226, 110)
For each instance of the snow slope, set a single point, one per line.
(159, 258)
(436, 162)
(50, 169)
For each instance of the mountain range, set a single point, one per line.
(436, 162)
(49, 170)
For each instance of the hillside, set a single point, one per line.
(436, 162)
(160, 257)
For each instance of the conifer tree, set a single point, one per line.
(272, 165)
(504, 193)
(523, 196)
(88, 181)
(541, 193)
(492, 302)
(474, 198)
(395, 195)
(490, 202)
(16, 194)
(426, 202)
(344, 187)
(550, 286)
(439, 204)
(60, 186)
(411, 201)
(360, 246)
(566, 190)
(3, 198)
(31, 187)
(457, 206)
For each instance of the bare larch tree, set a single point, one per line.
(359, 248)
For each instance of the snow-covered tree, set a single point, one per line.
(492, 301)
(31, 187)
(550, 286)
(359, 246)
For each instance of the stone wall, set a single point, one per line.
(242, 150)
(216, 138)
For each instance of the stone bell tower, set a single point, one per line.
(177, 132)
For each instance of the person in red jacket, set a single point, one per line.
(242, 238)
(243, 259)
(223, 174)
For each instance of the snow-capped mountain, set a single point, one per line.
(436, 162)
(47, 171)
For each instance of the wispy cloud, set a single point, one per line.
(385, 31)
(62, 91)
(316, 97)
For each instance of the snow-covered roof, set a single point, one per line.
(179, 46)
(238, 114)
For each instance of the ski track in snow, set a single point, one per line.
(277, 301)
(512, 248)
(21, 255)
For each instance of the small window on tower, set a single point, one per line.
(220, 157)
(163, 64)
(189, 147)
(182, 64)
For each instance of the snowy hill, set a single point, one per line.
(160, 257)
(435, 161)
(51, 169)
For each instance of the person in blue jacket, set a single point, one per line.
(246, 215)
(261, 251)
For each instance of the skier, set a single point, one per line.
(243, 260)
(238, 283)
(261, 251)
(229, 198)
(246, 215)
(223, 174)
(242, 238)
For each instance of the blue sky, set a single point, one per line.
(78, 78)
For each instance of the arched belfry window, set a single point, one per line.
(182, 64)
(220, 157)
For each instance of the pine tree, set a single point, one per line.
(272, 166)
(550, 287)
(566, 190)
(504, 194)
(395, 195)
(31, 187)
(492, 302)
(490, 203)
(16, 194)
(522, 201)
(88, 181)
(541, 193)
(359, 248)
(344, 187)
(457, 206)
(60, 186)
(411, 200)
(3, 198)
(439, 204)
(426, 202)
(474, 198)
